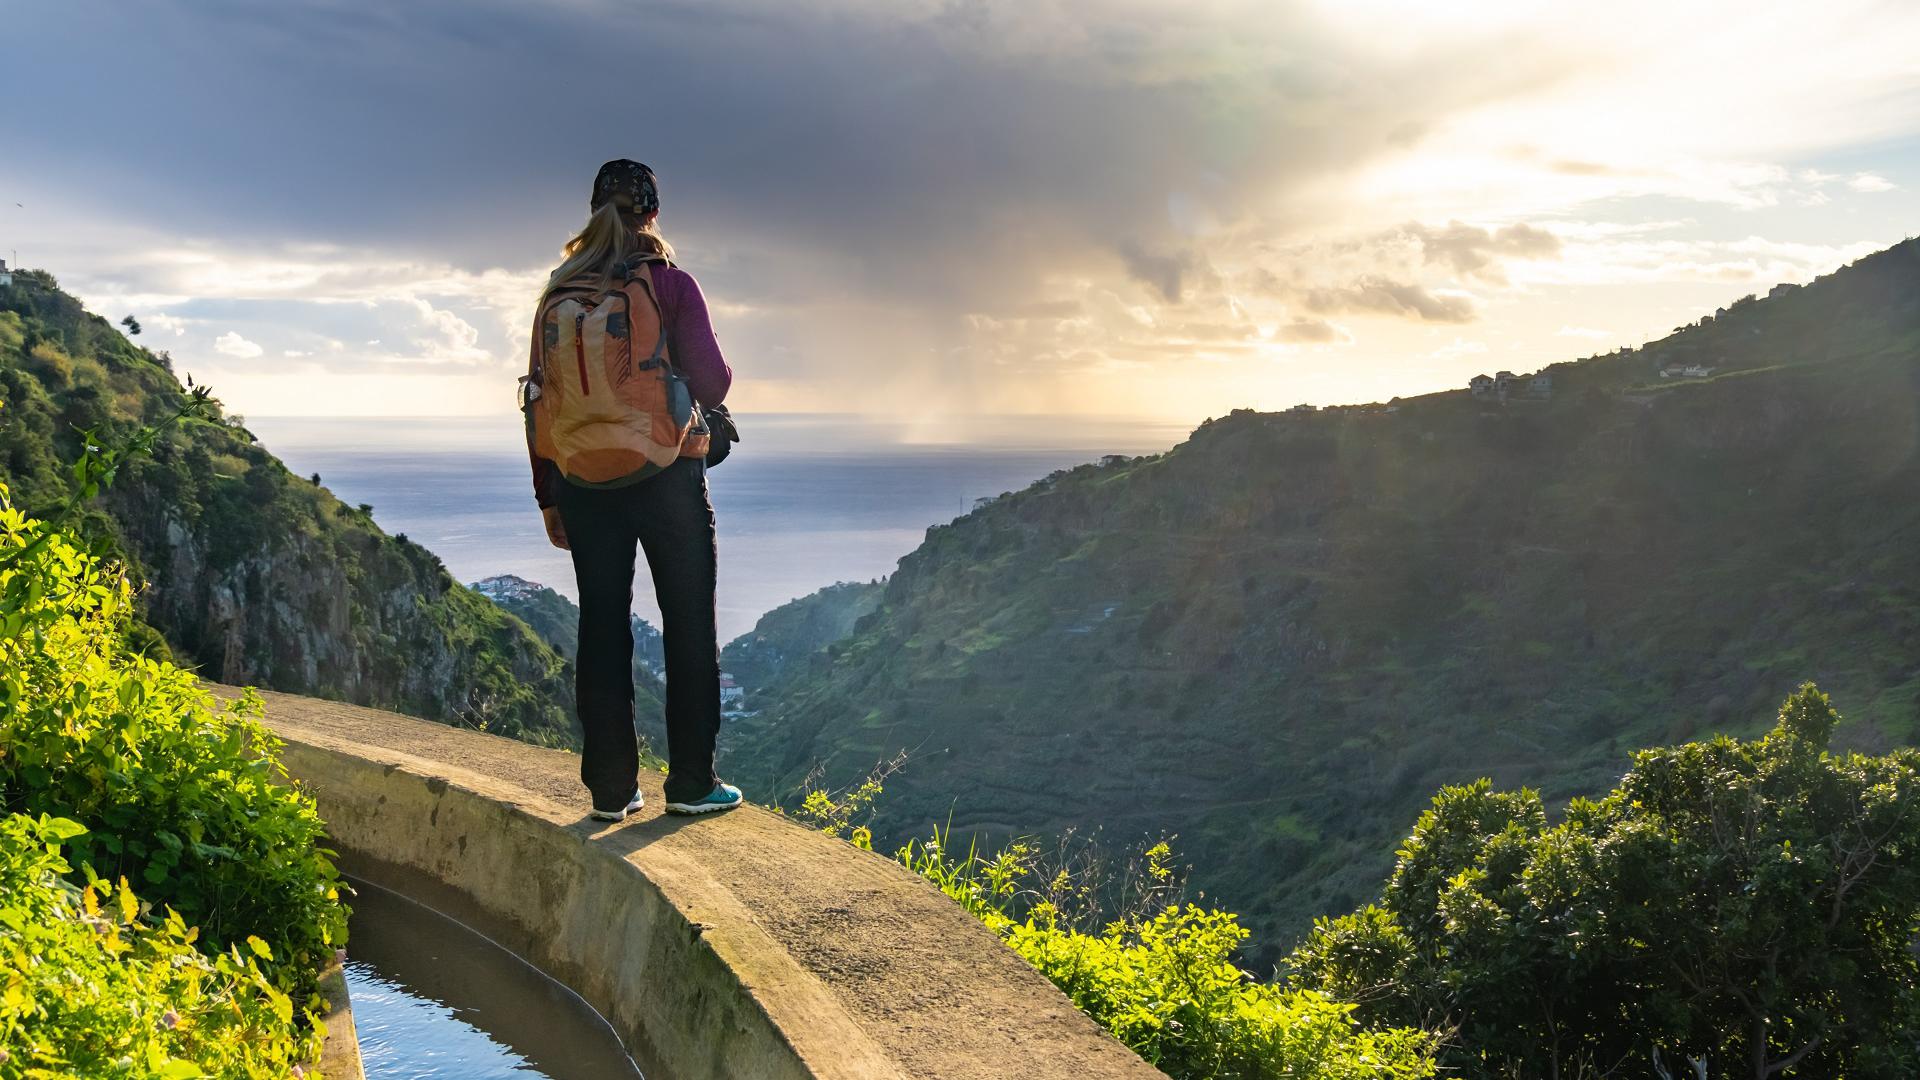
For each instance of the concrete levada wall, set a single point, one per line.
(726, 946)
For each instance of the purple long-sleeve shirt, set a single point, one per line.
(690, 341)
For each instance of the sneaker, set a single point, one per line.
(722, 797)
(633, 806)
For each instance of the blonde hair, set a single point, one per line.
(607, 243)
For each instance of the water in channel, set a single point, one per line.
(433, 1000)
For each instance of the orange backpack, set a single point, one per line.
(603, 412)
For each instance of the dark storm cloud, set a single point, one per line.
(466, 127)
(857, 178)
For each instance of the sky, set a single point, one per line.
(930, 209)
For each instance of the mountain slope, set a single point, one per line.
(254, 575)
(556, 621)
(1279, 638)
(785, 642)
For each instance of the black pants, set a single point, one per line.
(671, 519)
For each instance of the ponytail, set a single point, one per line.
(606, 244)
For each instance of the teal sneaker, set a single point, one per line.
(722, 797)
(633, 806)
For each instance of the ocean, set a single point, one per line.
(804, 501)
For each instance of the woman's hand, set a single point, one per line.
(556, 530)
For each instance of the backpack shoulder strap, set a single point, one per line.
(641, 273)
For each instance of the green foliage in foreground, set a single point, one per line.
(176, 795)
(1165, 984)
(94, 983)
(1156, 973)
(1168, 988)
(126, 762)
(1732, 908)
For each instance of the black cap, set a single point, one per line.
(629, 178)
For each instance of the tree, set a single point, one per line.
(1750, 907)
(132, 324)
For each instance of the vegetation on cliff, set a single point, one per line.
(165, 904)
(248, 573)
(1277, 639)
(789, 641)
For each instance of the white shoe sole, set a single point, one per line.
(618, 815)
(700, 808)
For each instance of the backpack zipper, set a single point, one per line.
(580, 351)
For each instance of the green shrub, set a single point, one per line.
(125, 761)
(1741, 908)
(176, 794)
(1165, 984)
(1168, 988)
(94, 984)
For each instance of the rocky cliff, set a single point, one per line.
(251, 574)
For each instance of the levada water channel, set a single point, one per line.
(433, 1000)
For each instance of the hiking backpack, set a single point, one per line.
(606, 413)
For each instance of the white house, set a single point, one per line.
(6, 275)
(730, 692)
(1690, 371)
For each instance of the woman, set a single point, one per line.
(667, 514)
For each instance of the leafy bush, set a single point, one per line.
(1168, 988)
(1166, 985)
(126, 761)
(95, 984)
(1732, 908)
(175, 793)
(1113, 936)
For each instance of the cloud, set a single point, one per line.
(168, 324)
(232, 344)
(1599, 256)
(894, 204)
(1383, 297)
(1864, 182)
(1309, 331)
(1474, 252)
(1162, 272)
